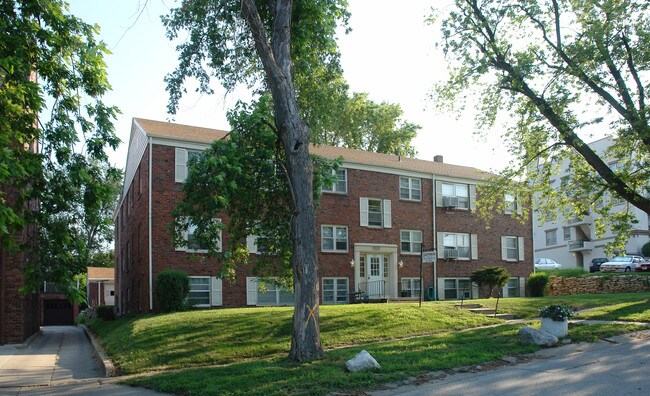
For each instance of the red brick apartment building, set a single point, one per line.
(19, 315)
(371, 225)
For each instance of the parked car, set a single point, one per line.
(546, 264)
(594, 265)
(644, 266)
(627, 263)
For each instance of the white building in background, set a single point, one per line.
(573, 242)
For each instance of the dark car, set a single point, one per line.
(594, 266)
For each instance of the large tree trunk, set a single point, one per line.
(294, 134)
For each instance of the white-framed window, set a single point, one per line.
(334, 238)
(455, 289)
(512, 204)
(551, 237)
(375, 212)
(386, 261)
(362, 267)
(193, 244)
(411, 287)
(512, 248)
(410, 188)
(567, 233)
(411, 241)
(513, 287)
(340, 185)
(182, 157)
(199, 294)
(461, 246)
(335, 290)
(267, 292)
(456, 195)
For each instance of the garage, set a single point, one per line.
(57, 312)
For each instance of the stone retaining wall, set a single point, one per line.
(559, 286)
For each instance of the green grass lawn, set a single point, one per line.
(528, 307)
(246, 347)
(209, 337)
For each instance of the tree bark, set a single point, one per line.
(294, 135)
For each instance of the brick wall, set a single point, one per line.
(334, 209)
(19, 315)
(560, 286)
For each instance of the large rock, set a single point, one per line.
(528, 335)
(362, 361)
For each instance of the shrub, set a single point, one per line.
(537, 284)
(106, 312)
(491, 277)
(172, 287)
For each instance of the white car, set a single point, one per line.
(627, 263)
(546, 264)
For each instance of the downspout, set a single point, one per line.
(150, 227)
(433, 241)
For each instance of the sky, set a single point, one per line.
(390, 54)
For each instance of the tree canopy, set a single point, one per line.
(554, 73)
(54, 129)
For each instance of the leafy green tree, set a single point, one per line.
(264, 45)
(560, 70)
(338, 119)
(54, 128)
(242, 179)
(491, 277)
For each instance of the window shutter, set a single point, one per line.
(441, 245)
(251, 243)
(472, 197)
(387, 214)
(522, 286)
(363, 211)
(439, 193)
(181, 165)
(441, 289)
(216, 298)
(520, 245)
(185, 236)
(518, 205)
(251, 290)
(220, 241)
(474, 290)
(504, 291)
(504, 250)
(473, 241)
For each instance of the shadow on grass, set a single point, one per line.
(399, 359)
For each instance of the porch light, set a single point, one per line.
(401, 264)
(352, 263)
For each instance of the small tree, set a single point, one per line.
(172, 287)
(537, 284)
(492, 277)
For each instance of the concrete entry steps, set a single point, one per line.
(479, 309)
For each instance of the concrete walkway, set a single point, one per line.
(59, 361)
(616, 366)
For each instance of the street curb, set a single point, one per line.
(107, 364)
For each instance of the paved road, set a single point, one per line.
(620, 366)
(59, 361)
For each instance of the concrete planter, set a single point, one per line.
(558, 329)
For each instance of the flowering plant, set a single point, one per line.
(558, 313)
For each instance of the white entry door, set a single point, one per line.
(375, 267)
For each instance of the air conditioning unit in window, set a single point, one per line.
(451, 253)
(449, 202)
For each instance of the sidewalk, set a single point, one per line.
(61, 360)
(616, 366)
